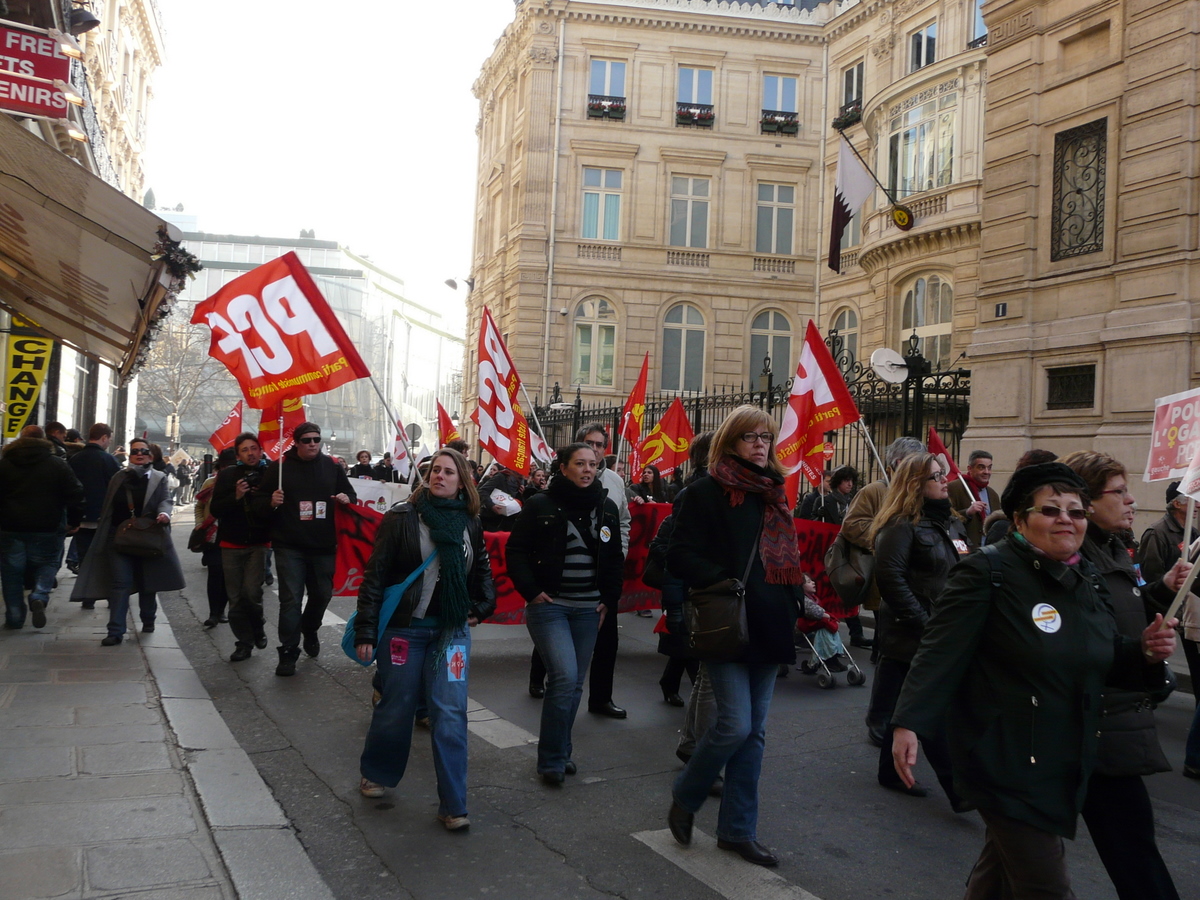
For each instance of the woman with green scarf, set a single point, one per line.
(425, 656)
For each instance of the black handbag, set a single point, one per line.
(849, 569)
(716, 616)
(140, 536)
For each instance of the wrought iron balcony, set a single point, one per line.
(776, 121)
(850, 114)
(602, 107)
(699, 114)
(980, 41)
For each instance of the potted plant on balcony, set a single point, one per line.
(768, 123)
(848, 117)
(704, 117)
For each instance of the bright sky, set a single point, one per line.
(353, 118)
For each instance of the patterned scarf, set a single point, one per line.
(777, 546)
(447, 519)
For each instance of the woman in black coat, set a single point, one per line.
(1117, 810)
(424, 658)
(736, 519)
(362, 467)
(649, 488)
(564, 557)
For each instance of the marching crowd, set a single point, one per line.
(1019, 634)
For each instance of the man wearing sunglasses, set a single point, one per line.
(304, 539)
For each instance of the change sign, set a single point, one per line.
(28, 358)
(1176, 435)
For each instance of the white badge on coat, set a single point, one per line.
(606, 534)
(1046, 618)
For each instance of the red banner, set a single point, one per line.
(292, 413)
(667, 444)
(1176, 435)
(635, 407)
(447, 430)
(945, 460)
(229, 429)
(503, 429)
(277, 335)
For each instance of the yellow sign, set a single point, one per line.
(28, 359)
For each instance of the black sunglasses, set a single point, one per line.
(307, 440)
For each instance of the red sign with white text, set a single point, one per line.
(32, 52)
(31, 97)
(1176, 435)
(277, 335)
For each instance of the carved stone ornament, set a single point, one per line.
(544, 55)
(882, 48)
(545, 27)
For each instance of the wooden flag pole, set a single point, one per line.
(280, 446)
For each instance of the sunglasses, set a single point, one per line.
(139, 452)
(308, 440)
(1053, 512)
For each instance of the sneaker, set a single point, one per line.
(455, 823)
(312, 644)
(260, 641)
(111, 641)
(241, 652)
(37, 612)
(370, 789)
(148, 628)
(287, 663)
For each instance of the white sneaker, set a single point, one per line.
(454, 823)
(370, 788)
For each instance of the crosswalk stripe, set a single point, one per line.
(721, 870)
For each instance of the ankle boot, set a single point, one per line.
(287, 660)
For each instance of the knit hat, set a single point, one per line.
(305, 428)
(1172, 491)
(1027, 480)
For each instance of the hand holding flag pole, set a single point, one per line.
(938, 449)
(1189, 487)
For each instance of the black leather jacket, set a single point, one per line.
(397, 553)
(911, 565)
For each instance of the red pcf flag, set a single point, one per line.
(292, 413)
(667, 444)
(945, 460)
(275, 332)
(503, 429)
(447, 430)
(819, 402)
(635, 407)
(229, 429)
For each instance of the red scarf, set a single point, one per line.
(777, 546)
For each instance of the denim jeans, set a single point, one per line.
(413, 672)
(736, 740)
(700, 714)
(243, 570)
(300, 571)
(22, 550)
(126, 575)
(565, 637)
(80, 543)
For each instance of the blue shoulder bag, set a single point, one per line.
(387, 609)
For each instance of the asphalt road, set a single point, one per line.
(839, 835)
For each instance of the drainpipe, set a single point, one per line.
(562, 32)
(821, 199)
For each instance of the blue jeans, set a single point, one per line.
(300, 571)
(126, 577)
(735, 741)
(79, 545)
(1191, 752)
(413, 673)
(21, 550)
(565, 637)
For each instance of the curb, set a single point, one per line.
(262, 853)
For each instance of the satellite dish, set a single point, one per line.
(889, 365)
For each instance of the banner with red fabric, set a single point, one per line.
(228, 430)
(292, 413)
(447, 430)
(668, 443)
(945, 459)
(275, 332)
(503, 428)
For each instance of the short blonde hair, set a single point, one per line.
(742, 420)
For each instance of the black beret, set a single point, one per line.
(306, 428)
(1172, 491)
(1027, 480)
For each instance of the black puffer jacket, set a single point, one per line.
(246, 521)
(1128, 737)
(397, 553)
(37, 488)
(911, 565)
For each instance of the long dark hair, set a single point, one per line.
(655, 491)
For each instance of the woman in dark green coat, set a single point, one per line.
(1013, 662)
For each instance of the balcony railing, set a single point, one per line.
(775, 265)
(700, 115)
(684, 258)
(776, 121)
(925, 207)
(980, 41)
(599, 251)
(849, 258)
(602, 107)
(850, 114)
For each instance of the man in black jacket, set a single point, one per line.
(94, 466)
(38, 492)
(304, 539)
(241, 504)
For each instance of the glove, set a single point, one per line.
(675, 623)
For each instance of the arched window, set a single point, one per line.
(770, 335)
(846, 323)
(928, 311)
(683, 349)
(595, 342)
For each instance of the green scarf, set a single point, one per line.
(447, 520)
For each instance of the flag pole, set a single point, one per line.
(1182, 593)
(280, 445)
(391, 414)
(874, 450)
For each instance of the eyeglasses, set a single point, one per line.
(1053, 512)
(1124, 492)
(751, 437)
(939, 476)
(139, 452)
(312, 440)
(599, 445)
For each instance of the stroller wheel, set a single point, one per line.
(807, 667)
(825, 680)
(856, 677)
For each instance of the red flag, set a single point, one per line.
(819, 402)
(635, 407)
(276, 334)
(667, 444)
(229, 429)
(938, 449)
(503, 429)
(447, 430)
(292, 412)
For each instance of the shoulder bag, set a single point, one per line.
(850, 570)
(716, 616)
(140, 536)
(391, 600)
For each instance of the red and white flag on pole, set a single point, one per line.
(273, 444)
(819, 402)
(503, 429)
(854, 184)
(277, 335)
(228, 430)
(945, 460)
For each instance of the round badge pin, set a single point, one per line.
(606, 534)
(1046, 618)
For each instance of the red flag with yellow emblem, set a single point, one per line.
(447, 430)
(292, 413)
(635, 407)
(667, 444)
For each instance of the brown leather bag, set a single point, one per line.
(140, 536)
(716, 616)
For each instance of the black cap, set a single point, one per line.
(1173, 491)
(1027, 480)
(305, 428)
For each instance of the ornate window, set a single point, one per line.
(921, 146)
(601, 204)
(1077, 219)
(852, 84)
(595, 342)
(689, 211)
(929, 312)
(1071, 387)
(776, 210)
(922, 46)
(683, 349)
(846, 323)
(770, 335)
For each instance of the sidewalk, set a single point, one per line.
(118, 778)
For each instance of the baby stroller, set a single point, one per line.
(829, 656)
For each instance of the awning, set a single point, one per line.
(75, 252)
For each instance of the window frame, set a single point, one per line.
(688, 332)
(695, 85)
(608, 72)
(853, 73)
(772, 334)
(850, 332)
(909, 321)
(777, 103)
(922, 46)
(690, 199)
(604, 195)
(598, 324)
(933, 125)
(776, 208)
